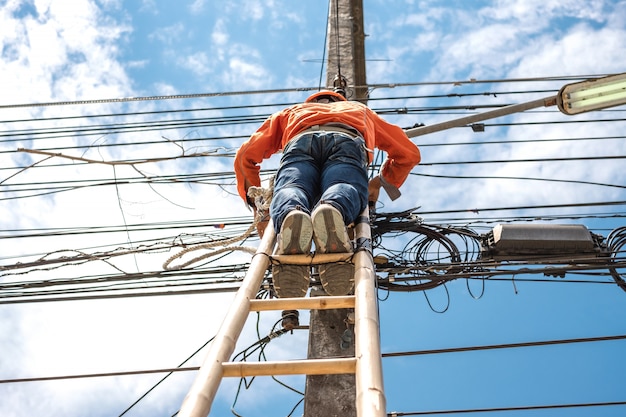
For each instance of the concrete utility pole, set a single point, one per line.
(346, 48)
(330, 330)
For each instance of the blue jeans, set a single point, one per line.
(325, 167)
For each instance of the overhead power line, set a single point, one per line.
(394, 354)
(504, 346)
(292, 90)
(501, 409)
(99, 375)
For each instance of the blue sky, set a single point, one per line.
(90, 50)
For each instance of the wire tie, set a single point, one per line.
(363, 243)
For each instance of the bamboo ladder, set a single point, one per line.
(367, 365)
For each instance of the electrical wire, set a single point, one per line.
(300, 89)
(432, 256)
(526, 160)
(504, 346)
(324, 46)
(616, 241)
(414, 260)
(501, 409)
(497, 177)
(256, 345)
(97, 375)
(145, 394)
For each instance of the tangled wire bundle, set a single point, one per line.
(432, 255)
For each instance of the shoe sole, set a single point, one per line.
(291, 281)
(330, 231)
(337, 278)
(296, 234)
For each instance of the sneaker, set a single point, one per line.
(295, 237)
(291, 281)
(337, 278)
(329, 230)
(295, 234)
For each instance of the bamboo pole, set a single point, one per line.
(315, 259)
(198, 401)
(370, 394)
(295, 367)
(311, 303)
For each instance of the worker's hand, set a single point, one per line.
(373, 190)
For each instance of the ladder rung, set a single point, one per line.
(298, 367)
(304, 303)
(316, 259)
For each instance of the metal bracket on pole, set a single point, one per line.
(464, 121)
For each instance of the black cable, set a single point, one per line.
(500, 409)
(65, 185)
(384, 355)
(516, 141)
(300, 89)
(165, 377)
(504, 346)
(616, 241)
(497, 177)
(526, 160)
(260, 346)
(97, 375)
(338, 57)
(477, 210)
(324, 47)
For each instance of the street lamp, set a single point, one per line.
(590, 95)
(584, 96)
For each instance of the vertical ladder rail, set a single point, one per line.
(370, 394)
(200, 397)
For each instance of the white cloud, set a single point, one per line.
(149, 6)
(197, 6)
(63, 53)
(539, 11)
(198, 63)
(427, 18)
(248, 9)
(246, 74)
(582, 50)
(220, 36)
(170, 34)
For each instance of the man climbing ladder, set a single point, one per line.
(321, 185)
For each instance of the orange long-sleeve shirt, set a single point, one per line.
(281, 127)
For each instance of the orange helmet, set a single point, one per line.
(330, 94)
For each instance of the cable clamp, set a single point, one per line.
(364, 243)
